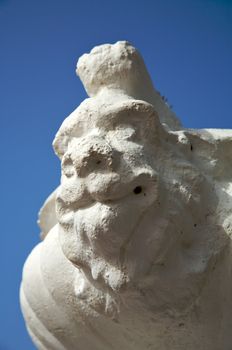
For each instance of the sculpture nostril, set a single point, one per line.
(137, 190)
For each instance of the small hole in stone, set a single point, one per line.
(191, 147)
(195, 225)
(98, 162)
(137, 190)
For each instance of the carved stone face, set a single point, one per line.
(128, 204)
(144, 217)
(108, 183)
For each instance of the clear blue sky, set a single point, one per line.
(187, 46)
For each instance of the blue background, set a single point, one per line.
(187, 46)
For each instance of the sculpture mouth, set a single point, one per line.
(66, 211)
(140, 192)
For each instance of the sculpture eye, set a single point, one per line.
(100, 163)
(137, 190)
(68, 166)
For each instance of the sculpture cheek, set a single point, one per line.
(104, 186)
(73, 194)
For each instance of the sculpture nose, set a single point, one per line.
(89, 155)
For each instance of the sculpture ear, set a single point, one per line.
(47, 215)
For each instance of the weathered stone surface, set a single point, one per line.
(137, 251)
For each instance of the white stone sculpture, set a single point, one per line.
(137, 249)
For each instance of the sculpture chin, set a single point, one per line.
(97, 241)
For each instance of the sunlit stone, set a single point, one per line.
(136, 250)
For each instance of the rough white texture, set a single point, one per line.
(137, 251)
